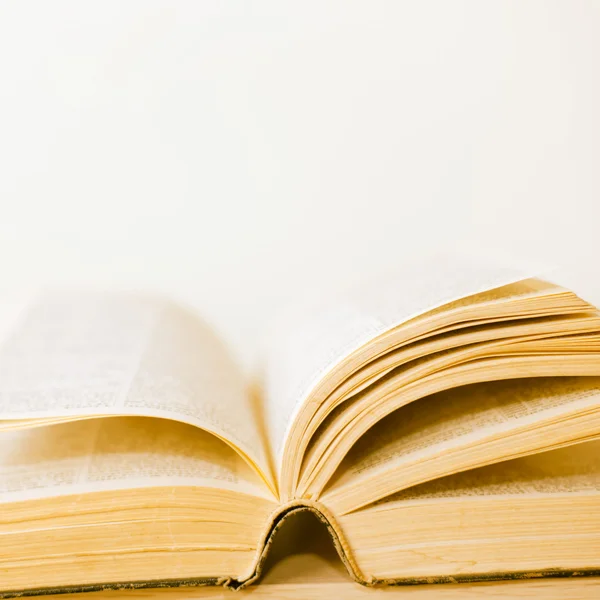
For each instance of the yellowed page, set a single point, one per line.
(456, 428)
(575, 469)
(70, 355)
(536, 513)
(120, 453)
(308, 342)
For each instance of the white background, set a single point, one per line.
(234, 154)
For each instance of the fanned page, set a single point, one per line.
(70, 356)
(465, 428)
(310, 341)
(571, 470)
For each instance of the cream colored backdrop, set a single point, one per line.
(235, 153)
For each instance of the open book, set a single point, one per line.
(443, 423)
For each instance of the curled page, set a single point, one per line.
(310, 341)
(73, 355)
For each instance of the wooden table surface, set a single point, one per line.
(303, 565)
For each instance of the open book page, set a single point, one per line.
(460, 418)
(119, 453)
(575, 469)
(309, 342)
(88, 354)
(419, 361)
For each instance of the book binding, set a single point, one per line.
(342, 549)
